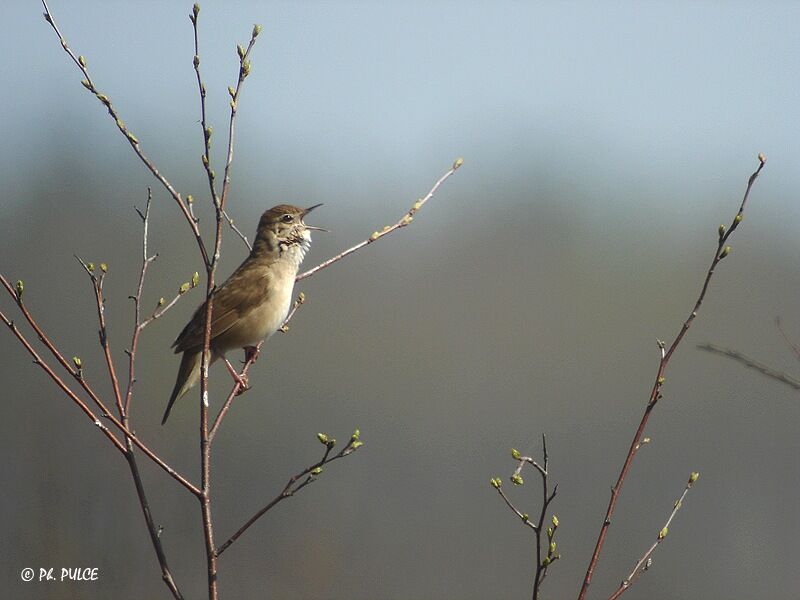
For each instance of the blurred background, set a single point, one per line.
(604, 142)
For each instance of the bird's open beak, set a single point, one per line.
(311, 227)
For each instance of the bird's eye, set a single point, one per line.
(287, 218)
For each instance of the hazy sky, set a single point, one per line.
(604, 142)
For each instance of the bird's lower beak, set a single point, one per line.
(312, 228)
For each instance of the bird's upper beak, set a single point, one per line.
(308, 210)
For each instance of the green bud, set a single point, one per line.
(212, 174)
(256, 30)
(240, 50)
(721, 230)
(82, 61)
(555, 521)
(132, 138)
(550, 532)
(196, 9)
(85, 83)
(184, 288)
(525, 517)
(458, 163)
(231, 91)
(246, 68)
(496, 482)
(546, 561)
(693, 477)
(322, 438)
(516, 479)
(208, 131)
(761, 158)
(195, 279)
(189, 199)
(663, 533)
(77, 362)
(104, 267)
(161, 301)
(356, 435)
(661, 380)
(357, 444)
(515, 454)
(317, 471)
(739, 218)
(725, 251)
(20, 287)
(552, 548)
(90, 267)
(104, 99)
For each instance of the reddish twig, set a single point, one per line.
(77, 373)
(645, 561)
(294, 484)
(720, 253)
(97, 287)
(89, 84)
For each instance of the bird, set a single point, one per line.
(253, 302)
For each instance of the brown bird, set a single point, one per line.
(253, 302)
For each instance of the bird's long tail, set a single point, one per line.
(188, 376)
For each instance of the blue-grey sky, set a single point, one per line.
(604, 142)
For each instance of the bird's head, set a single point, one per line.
(285, 225)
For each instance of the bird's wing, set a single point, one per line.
(243, 290)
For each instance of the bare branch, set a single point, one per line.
(89, 84)
(752, 363)
(77, 373)
(645, 561)
(720, 253)
(542, 562)
(405, 220)
(795, 348)
(299, 481)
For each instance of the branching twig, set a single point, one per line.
(77, 373)
(752, 363)
(89, 84)
(405, 220)
(645, 561)
(299, 481)
(542, 562)
(720, 253)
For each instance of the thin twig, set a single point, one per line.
(37, 360)
(645, 561)
(152, 529)
(294, 484)
(405, 220)
(720, 253)
(79, 376)
(97, 286)
(236, 230)
(542, 562)
(89, 84)
(795, 348)
(752, 363)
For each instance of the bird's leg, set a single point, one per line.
(244, 384)
(251, 353)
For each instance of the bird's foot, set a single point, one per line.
(239, 378)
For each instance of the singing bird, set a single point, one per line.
(253, 302)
